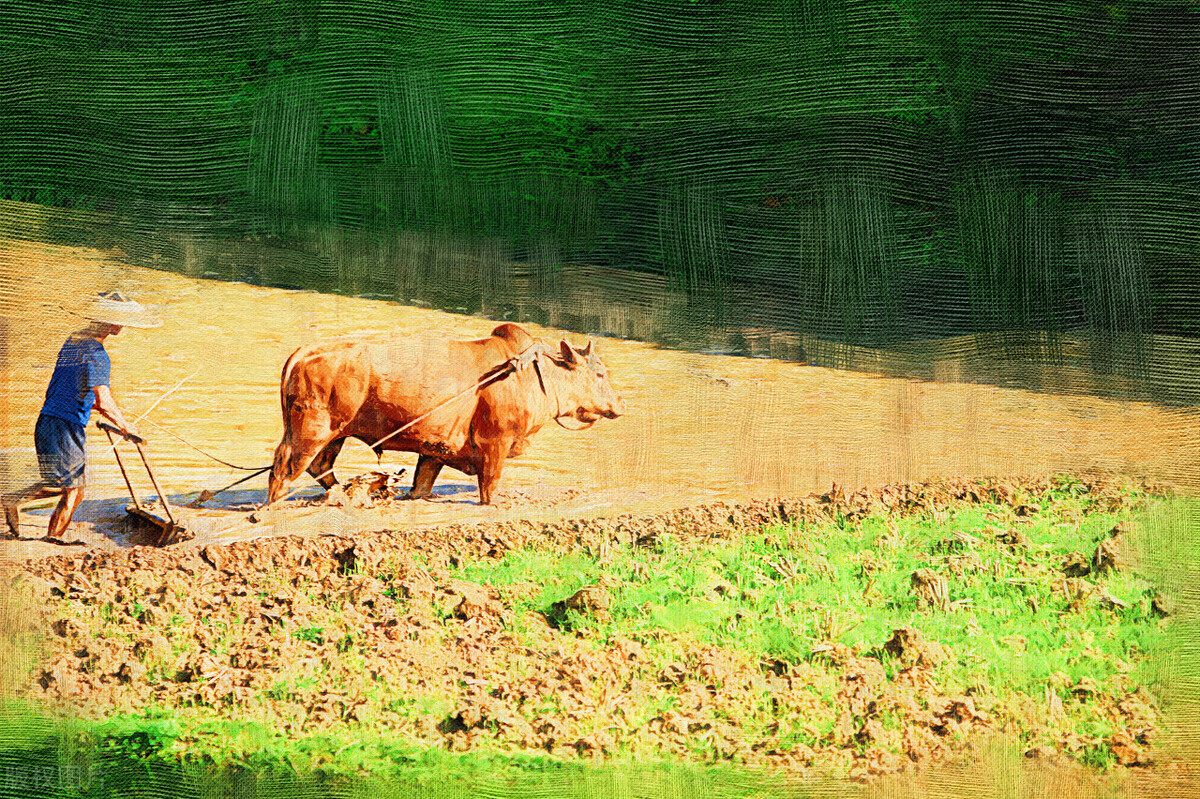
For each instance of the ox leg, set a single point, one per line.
(427, 471)
(491, 463)
(321, 467)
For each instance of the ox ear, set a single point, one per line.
(586, 352)
(569, 356)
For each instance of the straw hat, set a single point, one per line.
(115, 308)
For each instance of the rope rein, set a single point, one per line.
(208, 455)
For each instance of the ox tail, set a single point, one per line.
(283, 384)
(286, 375)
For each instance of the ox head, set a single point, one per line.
(585, 393)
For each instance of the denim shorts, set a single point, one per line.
(60, 451)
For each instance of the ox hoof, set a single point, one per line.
(253, 518)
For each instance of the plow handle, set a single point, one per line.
(162, 497)
(138, 441)
(108, 428)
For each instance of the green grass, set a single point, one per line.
(789, 593)
(42, 758)
(783, 592)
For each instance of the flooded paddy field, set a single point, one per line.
(700, 428)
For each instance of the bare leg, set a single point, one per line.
(63, 512)
(427, 472)
(12, 502)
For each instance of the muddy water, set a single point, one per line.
(699, 427)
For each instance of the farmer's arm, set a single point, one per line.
(106, 404)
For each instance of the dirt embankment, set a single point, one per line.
(309, 633)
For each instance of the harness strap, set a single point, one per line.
(558, 414)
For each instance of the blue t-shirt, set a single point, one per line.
(82, 365)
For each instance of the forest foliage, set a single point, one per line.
(882, 169)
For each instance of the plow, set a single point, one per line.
(158, 515)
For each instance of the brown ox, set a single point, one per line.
(332, 391)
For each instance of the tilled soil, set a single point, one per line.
(312, 633)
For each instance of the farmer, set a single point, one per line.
(79, 382)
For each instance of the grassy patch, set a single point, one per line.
(1023, 637)
(125, 758)
(785, 591)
